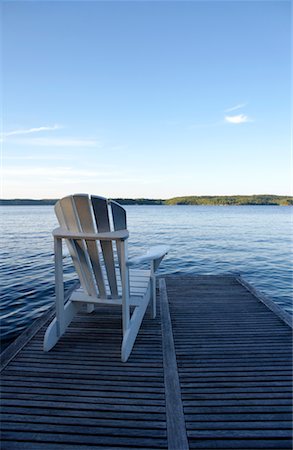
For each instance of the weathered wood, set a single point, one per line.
(233, 355)
(86, 438)
(284, 315)
(239, 425)
(21, 445)
(234, 444)
(25, 337)
(215, 354)
(142, 418)
(84, 429)
(177, 437)
(89, 397)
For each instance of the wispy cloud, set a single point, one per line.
(240, 118)
(54, 172)
(60, 142)
(18, 137)
(65, 175)
(23, 131)
(37, 157)
(234, 108)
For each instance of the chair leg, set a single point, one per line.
(56, 329)
(90, 308)
(133, 329)
(153, 295)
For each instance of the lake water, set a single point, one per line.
(254, 241)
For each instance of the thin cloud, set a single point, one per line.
(69, 175)
(54, 172)
(240, 118)
(46, 157)
(32, 130)
(59, 142)
(234, 108)
(15, 136)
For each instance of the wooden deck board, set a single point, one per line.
(81, 395)
(233, 355)
(222, 378)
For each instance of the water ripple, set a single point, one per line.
(255, 242)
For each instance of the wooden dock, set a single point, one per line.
(213, 370)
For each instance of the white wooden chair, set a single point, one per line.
(96, 234)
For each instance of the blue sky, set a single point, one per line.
(145, 99)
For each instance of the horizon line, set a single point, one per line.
(155, 199)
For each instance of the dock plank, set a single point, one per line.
(212, 371)
(233, 355)
(80, 394)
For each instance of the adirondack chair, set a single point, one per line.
(96, 235)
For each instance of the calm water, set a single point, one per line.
(254, 241)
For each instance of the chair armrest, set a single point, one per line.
(120, 235)
(152, 254)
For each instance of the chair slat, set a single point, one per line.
(70, 244)
(79, 250)
(119, 221)
(83, 208)
(119, 216)
(100, 208)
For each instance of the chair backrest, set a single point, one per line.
(97, 263)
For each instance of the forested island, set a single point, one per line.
(225, 200)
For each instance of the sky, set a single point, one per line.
(148, 99)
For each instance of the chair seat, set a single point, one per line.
(139, 284)
(139, 281)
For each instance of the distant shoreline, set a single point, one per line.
(224, 200)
